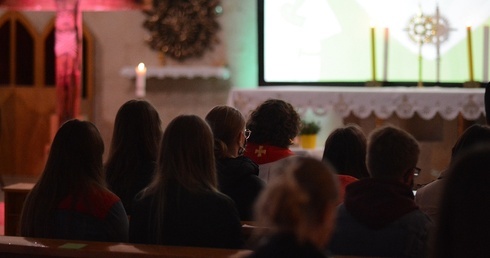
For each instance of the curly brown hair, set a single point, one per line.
(274, 122)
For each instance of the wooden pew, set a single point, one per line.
(16, 247)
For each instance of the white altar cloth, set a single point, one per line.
(364, 101)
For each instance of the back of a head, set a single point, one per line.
(226, 123)
(345, 149)
(473, 135)
(464, 227)
(76, 154)
(186, 154)
(297, 200)
(274, 122)
(391, 152)
(73, 166)
(137, 131)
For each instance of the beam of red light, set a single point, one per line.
(86, 5)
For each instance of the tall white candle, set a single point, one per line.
(385, 54)
(485, 52)
(140, 80)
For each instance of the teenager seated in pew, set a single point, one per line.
(237, 174)
(274, 124)
(70, 200)
(134, 150)
(428, 198)
(296, 211)
(379, 216)
(464, 225)
(345, 150)
(182, 206)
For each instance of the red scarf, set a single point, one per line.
(263, 153)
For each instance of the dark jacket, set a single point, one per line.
(140, 180)
(97, 216)
(206, 219)
(379, 218)
(238, 178)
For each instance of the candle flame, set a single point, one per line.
(141, 67)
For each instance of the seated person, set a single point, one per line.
(428, 197)
(274, 124)
(237, 174)
(296, 211)
(379, 216)
(134, 148)
(182, 206)
(345, 150)
(464, 227)
(70, 200)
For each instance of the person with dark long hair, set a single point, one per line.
(345, 149)
(134, 150)
(428, 198)
(464, 227)
(182, 206)
(237, 174)
(70, 200)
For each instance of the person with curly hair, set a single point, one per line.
(296, 212)
(275, 123)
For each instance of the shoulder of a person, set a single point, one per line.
(104, 194)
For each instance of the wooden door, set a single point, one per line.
(27, 95)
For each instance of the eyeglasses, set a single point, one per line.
(247, 133)
(416, 171)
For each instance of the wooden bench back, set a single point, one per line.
(16, 247)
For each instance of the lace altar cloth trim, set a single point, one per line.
(364, 101)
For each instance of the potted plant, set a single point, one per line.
(308, 134)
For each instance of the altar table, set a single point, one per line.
(383, 102)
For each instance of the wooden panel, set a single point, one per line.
(25, 126)
(15, 196)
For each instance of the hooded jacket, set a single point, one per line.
(237, 178)
(380, 218)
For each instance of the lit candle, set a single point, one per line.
(470, 52)
(373, 53)
(385, 54)
(485, 52)
(140, 80)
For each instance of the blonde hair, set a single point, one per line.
(297, 200)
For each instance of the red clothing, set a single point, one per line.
(344, 180)
(263, 153)
(94, 216)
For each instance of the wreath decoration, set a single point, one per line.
(183, 29)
